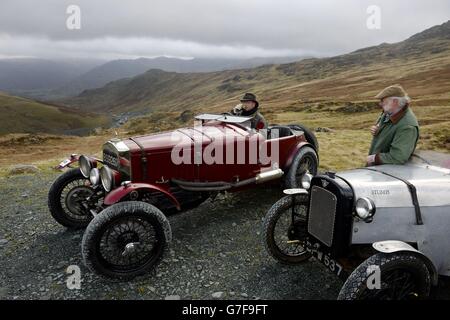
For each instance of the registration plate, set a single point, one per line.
(324, 258)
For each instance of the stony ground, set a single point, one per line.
(216, 253)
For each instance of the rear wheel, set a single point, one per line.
(285, 230)
(126, 240)
(309, 135)
(305, 161)
(402, 276)
(67, 199)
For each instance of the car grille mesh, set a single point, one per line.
(111, 159)
(322, 213)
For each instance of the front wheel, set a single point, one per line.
(67, 199)
(305, 161)
(394, 276)
(285, 230)
(126, 240)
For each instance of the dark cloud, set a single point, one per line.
(117, 28)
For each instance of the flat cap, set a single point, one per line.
(392, 91)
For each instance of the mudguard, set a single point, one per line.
(392, 246)
(294, 152)
(117, 194)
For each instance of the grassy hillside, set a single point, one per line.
(20, 115)
(421, 64)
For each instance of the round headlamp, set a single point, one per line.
(306, 181)
(107, 178)
(365, 209)
(94, 176)
(86, 165)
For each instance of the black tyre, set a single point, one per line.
(309, 135)
(284, 233)
(65, 199)
(305, 161)
(126, 240)
(403, 276)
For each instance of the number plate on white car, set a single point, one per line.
(324, 258)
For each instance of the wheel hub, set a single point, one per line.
(76, 197)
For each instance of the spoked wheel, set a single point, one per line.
(285, 230)
(401, 276)
(126, 240)
(68, 199)
(306, 161)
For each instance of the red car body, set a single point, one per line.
(144, 163)
(124, 203)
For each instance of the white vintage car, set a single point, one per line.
(383, 229)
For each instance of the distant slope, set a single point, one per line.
(26, 74)
(126, 68)
(420, 63)
(20, 115)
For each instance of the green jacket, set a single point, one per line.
(396, 138)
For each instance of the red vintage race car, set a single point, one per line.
(124, 198)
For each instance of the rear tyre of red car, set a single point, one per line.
(65, 199)
(309, 135)
(126, 240)
(284, 232)
(402, 276)
(305, 161)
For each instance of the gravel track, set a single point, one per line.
(216, 253)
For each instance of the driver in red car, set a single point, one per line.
(249, 108)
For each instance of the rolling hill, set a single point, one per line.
(21, 115)
(421, 64)
(127, 68)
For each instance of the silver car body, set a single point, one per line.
(396, 216)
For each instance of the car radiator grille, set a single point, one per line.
(322, 213)
(111, 160)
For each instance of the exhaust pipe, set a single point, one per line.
(269, 175)
(222, 186)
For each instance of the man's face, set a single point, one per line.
(389, 104)
(248, 105)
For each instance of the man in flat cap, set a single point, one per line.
(249, 108)
(396, 132)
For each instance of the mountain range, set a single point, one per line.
(420, 63)
(51, 79)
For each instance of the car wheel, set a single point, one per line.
(285, 231)
(309, 135)
(65, 199)
(403, 276)
(305, 161)
(126, 240)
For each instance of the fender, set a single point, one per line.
(72, 159)
(294, 152)
(117, 194)
(392, 246)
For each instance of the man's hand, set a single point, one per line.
(237, 110)
(374, 130)
(371, 160)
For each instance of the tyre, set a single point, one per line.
(403, 276)
(284, 232)
(309, 135)
(65, 199)
(305, 161)
(126, 240)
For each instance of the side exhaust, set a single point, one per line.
(221, 185)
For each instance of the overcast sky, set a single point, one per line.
(207, 28)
